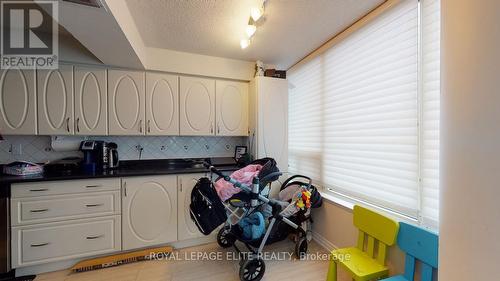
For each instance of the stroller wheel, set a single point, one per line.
(252, 270)
(301, 248)
(224, 238)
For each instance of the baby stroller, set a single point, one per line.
(284, 217)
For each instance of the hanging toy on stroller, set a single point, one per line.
(248, 210)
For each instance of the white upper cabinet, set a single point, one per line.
(149, 211)
(232, 108)
(197, 106)
(126, 102)
(162, 104)
(94, 101)
(91, 112)
(17, 102)
(55, 101)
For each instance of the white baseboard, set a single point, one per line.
(321, 240)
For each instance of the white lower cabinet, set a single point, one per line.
(186, 229)
(37, 244)
(74, 219)
(149, 211)
(60, 220)
(63, 207)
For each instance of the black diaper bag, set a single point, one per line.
(207, 211)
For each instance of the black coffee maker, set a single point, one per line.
(99, 155)
(92, 155)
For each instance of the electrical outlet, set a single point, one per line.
(17, 149)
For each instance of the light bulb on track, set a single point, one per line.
(250, 30)
(244, 43)
(256, 13)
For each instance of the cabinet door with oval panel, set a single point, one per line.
(55, 101)
(186, 227)
(149, 213)
(126, 102)
(197, 106)
(162, 104)
(17, 102)
(232, 108)
(91, 112)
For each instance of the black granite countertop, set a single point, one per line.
(129, 168)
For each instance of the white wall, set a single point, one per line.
(175, 61)
(470, 141)
(72, 50)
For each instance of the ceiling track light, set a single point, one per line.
(251, 28)
(256, 13)
(244, 43)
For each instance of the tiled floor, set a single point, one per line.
(186, 270)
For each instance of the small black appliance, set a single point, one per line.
(99, 155)
(91, 157)
(65, 165)
(113, 158)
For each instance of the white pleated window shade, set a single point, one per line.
(371, 136)
(430, 111)
(305, 139)
(364, 115)
(353, 113)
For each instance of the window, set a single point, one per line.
(364, 115)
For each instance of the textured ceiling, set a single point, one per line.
(290, 30)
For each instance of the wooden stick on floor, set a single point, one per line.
(119, 259)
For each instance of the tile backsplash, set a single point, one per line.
(38, 148)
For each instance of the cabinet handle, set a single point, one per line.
(125, 188)
(211, 129)
(39, 210)
(93, 205)
(140, 126)
(39, 190)
(67, 124)
(149, 126)
(94, 237)
(218, 128)
(180, 184)
(78, 124)
(39, 245)
(93, 186)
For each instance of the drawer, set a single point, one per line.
(19, 190)
(63, 207)
(61, 241)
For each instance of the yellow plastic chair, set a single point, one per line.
(366, 261)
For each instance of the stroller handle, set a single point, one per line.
(214, 170)
(220, 174)
(271, 175)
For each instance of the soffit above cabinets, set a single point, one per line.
(290, 30)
